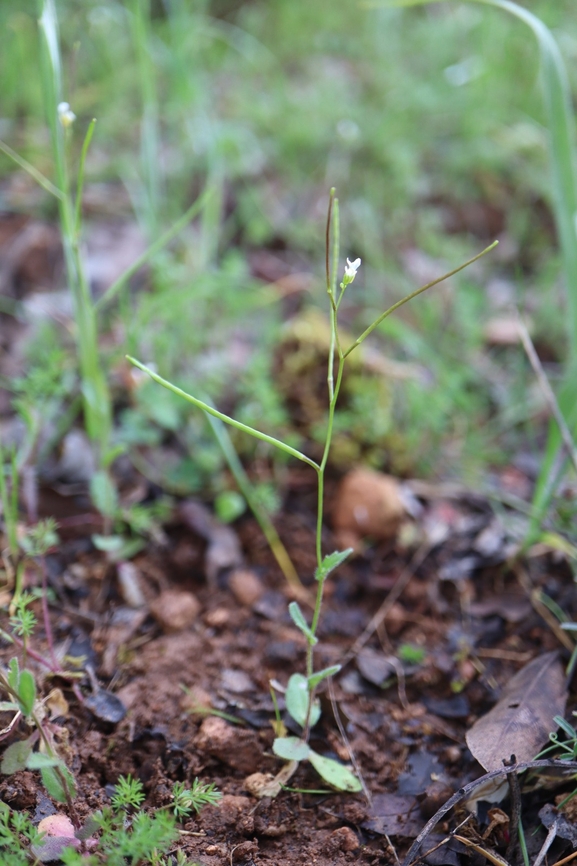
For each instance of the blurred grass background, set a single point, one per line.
(428, 120)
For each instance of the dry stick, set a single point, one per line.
(463, 793)
(447, 838)
(398, 588)
(548, 842)
(547, 390)
(496, 859)
(346, 741)
(515, 792)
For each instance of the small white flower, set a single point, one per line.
(66, 115)
(351, 268)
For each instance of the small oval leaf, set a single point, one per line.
(335, 774)
(291, 748)
(26, 692)
(297, 617)
(297, 698)
(16, 757)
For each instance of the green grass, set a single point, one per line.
(418, 116)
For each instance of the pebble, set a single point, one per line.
(174, 610)
(367, 504)
(245, 586)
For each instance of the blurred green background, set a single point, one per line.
(428, 121)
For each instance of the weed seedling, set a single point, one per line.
(300, 698)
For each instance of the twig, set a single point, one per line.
(345, 739)
(496, 859)
(463, 793)
(547, 843)
(515, 792)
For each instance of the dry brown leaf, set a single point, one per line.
(522, 719)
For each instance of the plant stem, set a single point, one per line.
(414, 294)
(210, 410)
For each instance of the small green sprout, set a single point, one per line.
(129, 794)
(23, 621)
(187, 800)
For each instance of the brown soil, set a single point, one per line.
(407, 735)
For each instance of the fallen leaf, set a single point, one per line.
(395, 815)
(522, 719)
(564, 828)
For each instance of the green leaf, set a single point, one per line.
(297, 617)
(317, 678)
(291, 748)
(8, 706)
(103, 494)
(297, 698)
(27, 692)
(118, 547)
(108, 543)
(335, 774)
(16, 757)
(59, 782)
(39, 760)
(330, 562)
(14, 674)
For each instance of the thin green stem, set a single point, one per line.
(414, 294)
(328, 240)
(80, 182)
(95, 393)
(33, 172)
(331, 283)
(210, 410)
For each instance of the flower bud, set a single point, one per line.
(66, 115)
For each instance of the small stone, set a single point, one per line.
(345, 838)
(174, 610)
(129, 584)
(217, 618)
(245, 586)
(367, 504)
(57, 825)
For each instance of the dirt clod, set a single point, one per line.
(237, 747)
(343, 839)
(244, 851)
(175, 610)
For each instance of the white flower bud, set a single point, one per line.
(66, 115)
